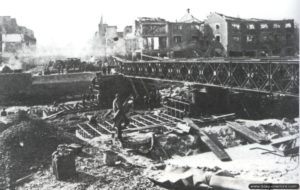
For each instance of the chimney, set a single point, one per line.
(188, 10)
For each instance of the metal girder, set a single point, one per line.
(275, 77)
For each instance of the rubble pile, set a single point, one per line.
(25, 146)
(270, 128)
(92, 173)
(175, 91)
(176, 145)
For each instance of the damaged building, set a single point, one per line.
(253, 37)
(14, 38)
(107, 39)
(159, 37)
(217, 36)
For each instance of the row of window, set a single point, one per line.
(262, 26)
(251, 38)
(192, 26)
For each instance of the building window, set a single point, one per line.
(162, 42)
(288, 25)
(250, 26)
(276, 25)
(276, 38)
(178, 27)
(263, 26)
(177, 39)
(217, 26)
(236, 38)
(250, 38)
(264, 38)
(235, 26)
(218, 38)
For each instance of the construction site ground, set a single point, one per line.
(183, 150)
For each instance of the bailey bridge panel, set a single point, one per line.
(275, 77)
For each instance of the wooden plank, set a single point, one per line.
(145, 128)
(171, 128)
(153, 118)
(103, 127)
(247, 133)
(225, 116)
(110, 124)
(167, 119)
(66, 108)
(134, 125)
(147, 120)
(80, 106)
(70, 107)
(134, 119)
(179, 101)
(53, 115)
(172, 108)
(92, 127)
(82, 128)
(175, 118)
(213, 146)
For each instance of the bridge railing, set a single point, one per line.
(279, 77)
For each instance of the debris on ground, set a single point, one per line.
(26, 146)
(152, 139)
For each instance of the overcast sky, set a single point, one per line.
(73, 22)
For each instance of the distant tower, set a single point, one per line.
(101, 28)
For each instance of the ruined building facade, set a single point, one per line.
(252, 37)
(159, 37)
(14, 38)
(217, 36)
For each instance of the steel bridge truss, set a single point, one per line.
(275, 77)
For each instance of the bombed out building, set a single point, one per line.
(159, 37)
(217, 36)
(13, 37)
(253, 37)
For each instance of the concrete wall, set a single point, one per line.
(55, 86)
(40, 89)
(15, 83)
(63, 78)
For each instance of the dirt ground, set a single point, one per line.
(92, 173)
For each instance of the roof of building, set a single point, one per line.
(189, 18)
(148, 19)
(242, 19)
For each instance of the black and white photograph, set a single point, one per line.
(149, 95)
